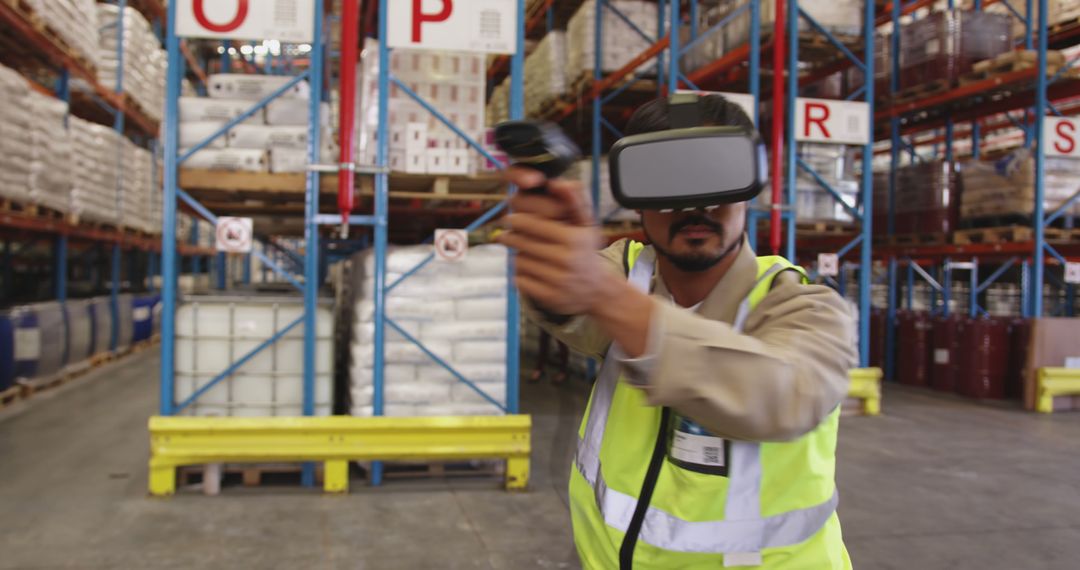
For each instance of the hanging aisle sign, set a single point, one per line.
(1062, 135)
(282, 20)
(486, 26)
(832, 121)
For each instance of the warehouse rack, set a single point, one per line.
(30, 46)
(739, 67)
(497, 436)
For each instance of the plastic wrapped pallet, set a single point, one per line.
(50, 176)
(457, 310)
(545, 73)
(926, 197)
(213, 332)
(16, 150)
(835, 165)
(234, 159)
(944, 45)
(254, 87)
(609, 210)
(94, 169)
(74, 21)
(143, 58)
(1006, 187)
(198, 109)
(454, 83)
(621, 42)
(840, 17)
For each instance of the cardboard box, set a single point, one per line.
(1053, 340)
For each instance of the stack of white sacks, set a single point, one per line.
(134, 202)
(144, 60)
(457, 310)
(621, 43)
(16, 151)
(545, 73)
(50, 175)
(75, 21)
(94, 160)
(274, 139)
(451, 82)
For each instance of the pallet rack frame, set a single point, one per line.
(114, 100)
(222, 447)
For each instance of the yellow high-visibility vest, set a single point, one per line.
(633, 506)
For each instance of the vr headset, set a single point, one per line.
(685, 167)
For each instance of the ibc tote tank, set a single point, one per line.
(40, 339)
(913, 348)
(80, 331)
(7, 352)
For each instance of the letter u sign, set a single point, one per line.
(221, 28)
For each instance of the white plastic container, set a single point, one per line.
(213, 332)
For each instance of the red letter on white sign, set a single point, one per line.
(1065, 130)
(818, 120)
(419, 17)
(241, 15)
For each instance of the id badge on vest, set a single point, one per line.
(693, 448)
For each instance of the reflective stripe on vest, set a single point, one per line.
(743, 530)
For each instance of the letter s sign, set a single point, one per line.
(1061, 135)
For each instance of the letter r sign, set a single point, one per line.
(486, 26)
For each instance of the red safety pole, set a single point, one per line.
(350, 42)
(779, 102)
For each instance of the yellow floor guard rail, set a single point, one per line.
(1056, 381)
(178, 441)
(866, 386)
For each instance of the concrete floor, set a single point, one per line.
(934, 483)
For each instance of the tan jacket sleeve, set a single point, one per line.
(776, 382)
(580, 333)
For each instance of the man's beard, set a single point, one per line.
(699, 261)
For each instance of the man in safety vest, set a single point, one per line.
(710, 436)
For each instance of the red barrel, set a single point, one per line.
(879, 320)
(985, 348)
(913, 348)
(1019, 339)
(945, 352)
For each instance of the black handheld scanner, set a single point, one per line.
(537, 145)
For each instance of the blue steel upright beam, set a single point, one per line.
(381, 209)
(597, 133)
(752, 214)
(513, 326)
(792, 93)
(866, 228)
(173, 78)
(1038, 220)
(311, 226)
(894, 122)
(674, 50)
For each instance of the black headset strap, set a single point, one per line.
(684, 110)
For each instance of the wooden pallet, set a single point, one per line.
(246, 474)
(10, 396)
(923, 90)
(34, 386)
(1015, 61)
(404, 470)
(916, 239)
(824, 228)
(1012, 234)
(23, 9)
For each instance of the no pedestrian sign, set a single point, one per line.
(234, 235)
(451, 245)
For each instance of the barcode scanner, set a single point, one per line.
(537, 145)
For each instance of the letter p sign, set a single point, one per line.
(419, 16)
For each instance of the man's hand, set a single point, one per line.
(556, 242)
